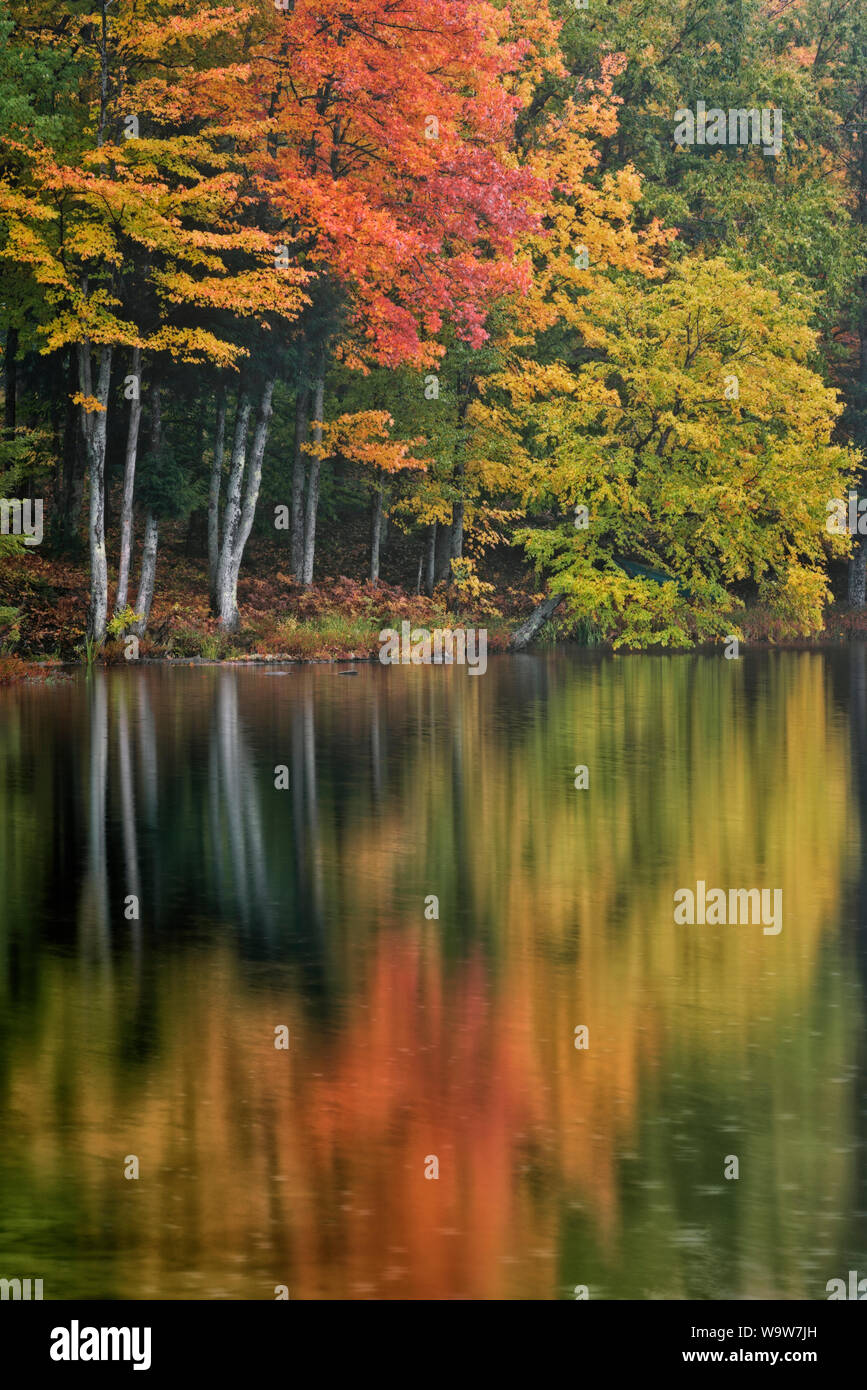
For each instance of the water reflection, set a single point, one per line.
(259, 907)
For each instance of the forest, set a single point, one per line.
(320, 317)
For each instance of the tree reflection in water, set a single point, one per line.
(453, 1037)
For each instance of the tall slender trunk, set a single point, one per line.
(232, 509)
(228, 612)
(299, 477)
(74, 458)
(858, 556)
(442, 565)
(147, 579)
(858, 574)
(94, 424)
(313, 479)
(430, 556)
(129, 487)
(376, 533)
(145, 596)
(214, 493)
(456, 543)
(456, 532)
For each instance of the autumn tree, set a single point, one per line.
(693, 453)
(389, 130)
(136, 233)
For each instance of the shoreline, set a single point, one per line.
(38, 669)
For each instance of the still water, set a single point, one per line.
(415, 1037)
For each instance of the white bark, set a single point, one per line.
(524, 634)
(299, 477)
(147, 579)
(129, 488)
(858, 574)
(94, 423)
(313, 481)
(228, 614)
(145, 596)
(430, 559)
(232, 510)
(214, 493)
(376, 533)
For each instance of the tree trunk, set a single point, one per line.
(456, 546)
(858, 574)
(456, 530)
(214, 494)
(523, 635)
(456, 539)
(858, 556)
(147, 579)
(232, 509)
(443, 554)
(74, 459)
(299, 476)
(376, 534)
(94, 426)
(129, 487)
(228, 613)
(313, 479)
(430, 556)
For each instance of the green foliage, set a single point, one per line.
(700, 441)
(187, 641)
(10, 629)
(121, 622)
(168, 485)
(605, 390)
(24, 459)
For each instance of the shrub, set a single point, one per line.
(10, 628)
(12, 670)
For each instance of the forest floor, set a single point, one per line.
(335, 619)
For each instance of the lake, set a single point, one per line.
(309, 952)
